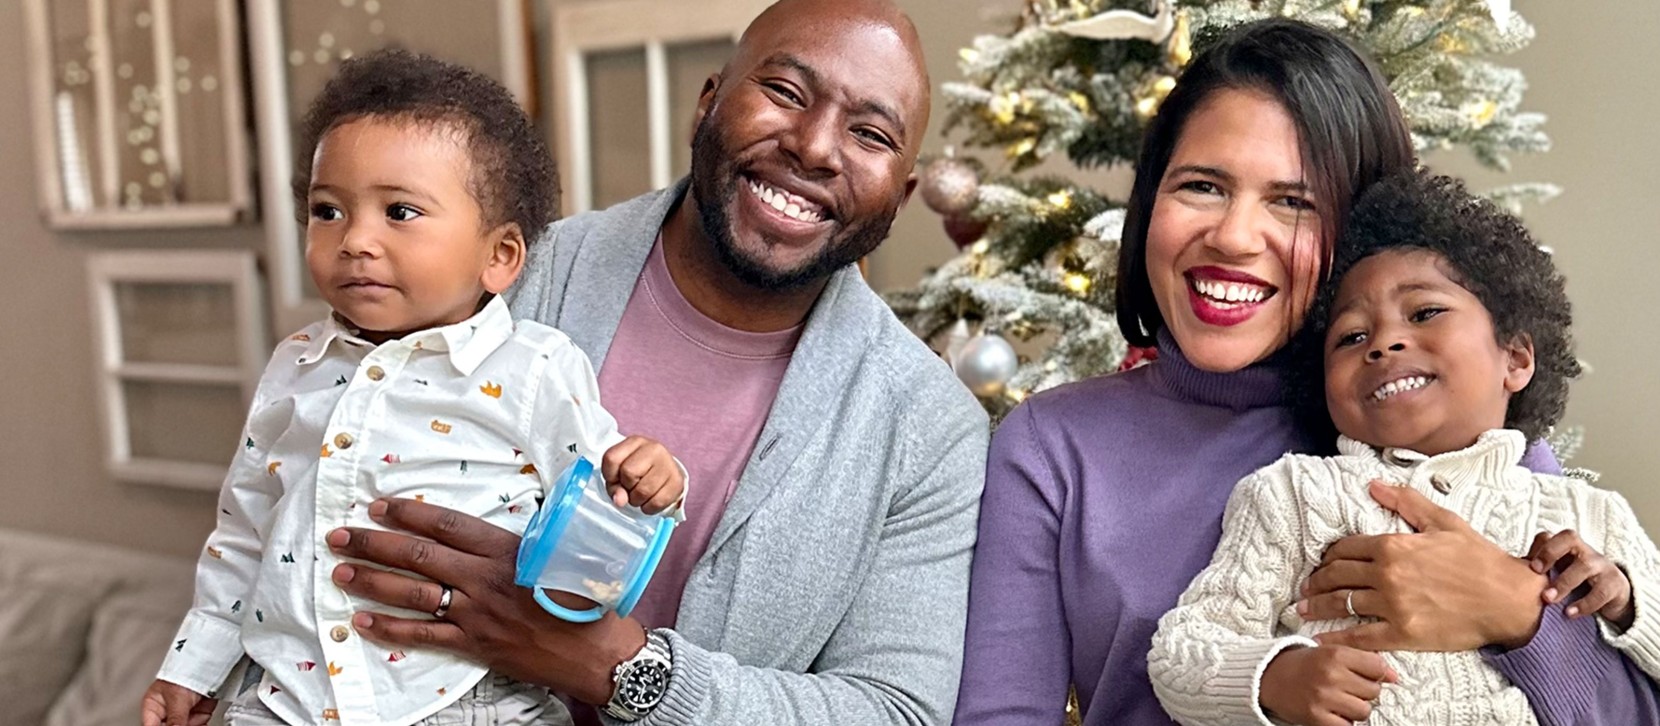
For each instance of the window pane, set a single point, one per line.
(618, 126)
(689, 66)
(183, 422)
(177, 323)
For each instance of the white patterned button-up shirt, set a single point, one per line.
(478, 416)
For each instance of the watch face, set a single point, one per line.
(643, 686)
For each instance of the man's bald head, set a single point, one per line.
(829, 19)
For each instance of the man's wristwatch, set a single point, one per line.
(638, 684)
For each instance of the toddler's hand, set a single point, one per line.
(641, 472)
(1610, 593)
(170, 704)
(1330, 685)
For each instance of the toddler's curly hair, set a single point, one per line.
(1489, 253)
(512, 176)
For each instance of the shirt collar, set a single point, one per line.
(1485, 463)
(468, 342)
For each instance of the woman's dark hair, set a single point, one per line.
(512, 176)
(1482, 248)
(1348, 124)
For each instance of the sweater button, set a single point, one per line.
(343, 441)
(1441, 483)
(340, 633)
(375, 373)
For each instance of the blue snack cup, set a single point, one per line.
(582, 543)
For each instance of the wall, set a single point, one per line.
(1595, 71)
(52, 476)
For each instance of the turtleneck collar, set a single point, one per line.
(1256, 386)
(1484, 463)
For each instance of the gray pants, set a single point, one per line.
(496, 700)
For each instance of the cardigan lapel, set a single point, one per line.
(820, 371)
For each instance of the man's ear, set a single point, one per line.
(705, 101)
(507, 258)
(1518, 363)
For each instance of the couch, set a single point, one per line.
(83, 628)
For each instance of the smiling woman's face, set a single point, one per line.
(1233, 243)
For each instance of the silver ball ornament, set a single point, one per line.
(985, 364)
(950, 187)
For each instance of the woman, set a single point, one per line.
(1103, 498)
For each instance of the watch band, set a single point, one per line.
(639, 683)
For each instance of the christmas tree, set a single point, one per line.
(1082, 78)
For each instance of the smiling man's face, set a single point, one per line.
(806, 145)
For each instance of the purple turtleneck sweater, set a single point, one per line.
(1104, 498)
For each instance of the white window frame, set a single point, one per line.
(291, 308)
(106, 270)
(583, 28)
(55, 207)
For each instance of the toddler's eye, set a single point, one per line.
(1347, 339)
(402, 213)
(1424, 314)
(326, 212)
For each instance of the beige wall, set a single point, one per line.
(1595, 69)
(52, 476)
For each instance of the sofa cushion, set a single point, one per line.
(131, 632)
(46, 608)
(83, 627)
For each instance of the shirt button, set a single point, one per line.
(343, 441)
(1441, 483)
(375, 373)
(340, 633)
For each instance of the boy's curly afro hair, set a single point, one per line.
(512, 176)
(1484, 249)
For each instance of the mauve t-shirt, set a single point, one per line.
(703, 390)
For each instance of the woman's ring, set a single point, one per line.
(1348, 603)
(445, 595)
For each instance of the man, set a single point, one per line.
(835, 463)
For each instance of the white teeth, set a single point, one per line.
(1230, 292)
(1400, 385)
(790, 205)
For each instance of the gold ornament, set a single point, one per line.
(1022, 148)
(1077, 282)
(1061, 199)
(1003, 107)
(1079, 100)
(1148, 106)
(1480, 113)
(1351, 8)
(1181, 41)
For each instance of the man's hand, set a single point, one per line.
(1326, 686)
(640, 471)
(1610, 591)
(490, 619)
(170, 704)
(1446, 588)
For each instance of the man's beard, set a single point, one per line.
(715, 182)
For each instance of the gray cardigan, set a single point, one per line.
(835, 587)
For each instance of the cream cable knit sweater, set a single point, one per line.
(1210, 652)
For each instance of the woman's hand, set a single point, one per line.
(490, 620)
(1445, 588)
(1610, 590)
(1326, 686)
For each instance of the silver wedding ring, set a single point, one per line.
(1348, 603)
(445, 595)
